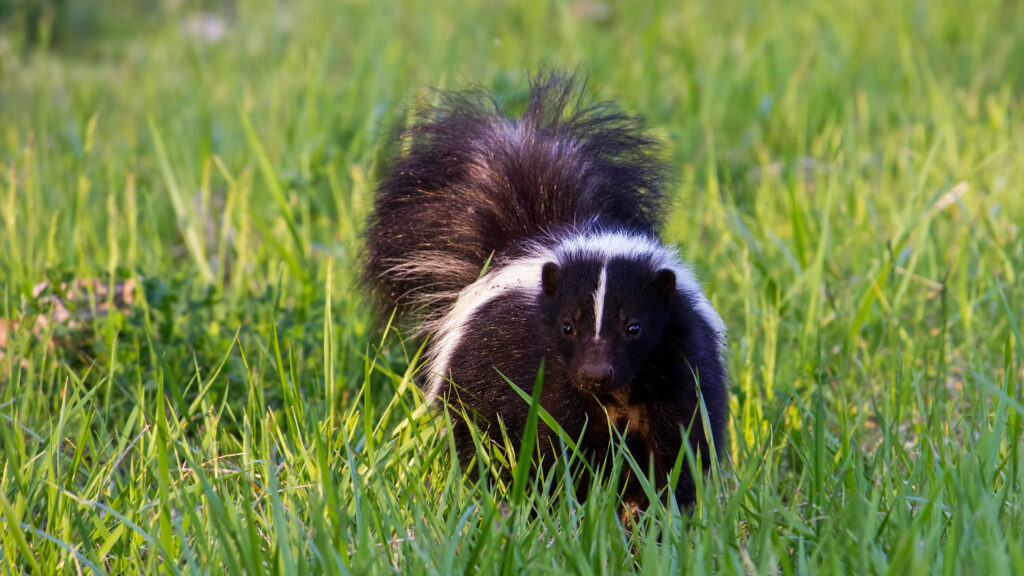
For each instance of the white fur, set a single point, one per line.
(602, 285)
(520, 274)
(622, 244)
(523, 274)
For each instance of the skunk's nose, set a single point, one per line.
(597, 374)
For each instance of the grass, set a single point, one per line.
(851, 194)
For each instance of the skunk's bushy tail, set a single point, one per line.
(470, 183)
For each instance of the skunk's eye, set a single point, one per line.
(567, 329)
(633, 329)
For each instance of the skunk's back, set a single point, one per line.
(470, 183)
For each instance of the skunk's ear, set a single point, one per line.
(664, 284)
(550, 275)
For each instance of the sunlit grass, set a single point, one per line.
(850, 192)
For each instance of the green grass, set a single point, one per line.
(851, 192)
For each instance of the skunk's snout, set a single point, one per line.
(597, 375)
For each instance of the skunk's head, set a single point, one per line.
(605, 318)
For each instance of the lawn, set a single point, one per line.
(191, 379)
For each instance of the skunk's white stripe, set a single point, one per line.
(622, 244)
(523, 275)
(518, 275)
(602, 284)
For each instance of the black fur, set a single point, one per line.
(654, 374)
(474, 186)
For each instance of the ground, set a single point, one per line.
(190, 378)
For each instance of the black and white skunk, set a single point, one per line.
(517, 241)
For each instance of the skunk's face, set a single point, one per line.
(604, 319)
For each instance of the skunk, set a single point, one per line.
(517, 242)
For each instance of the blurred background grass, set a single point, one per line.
(850, 192)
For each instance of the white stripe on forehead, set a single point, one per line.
(602, 284)
(523, 274)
